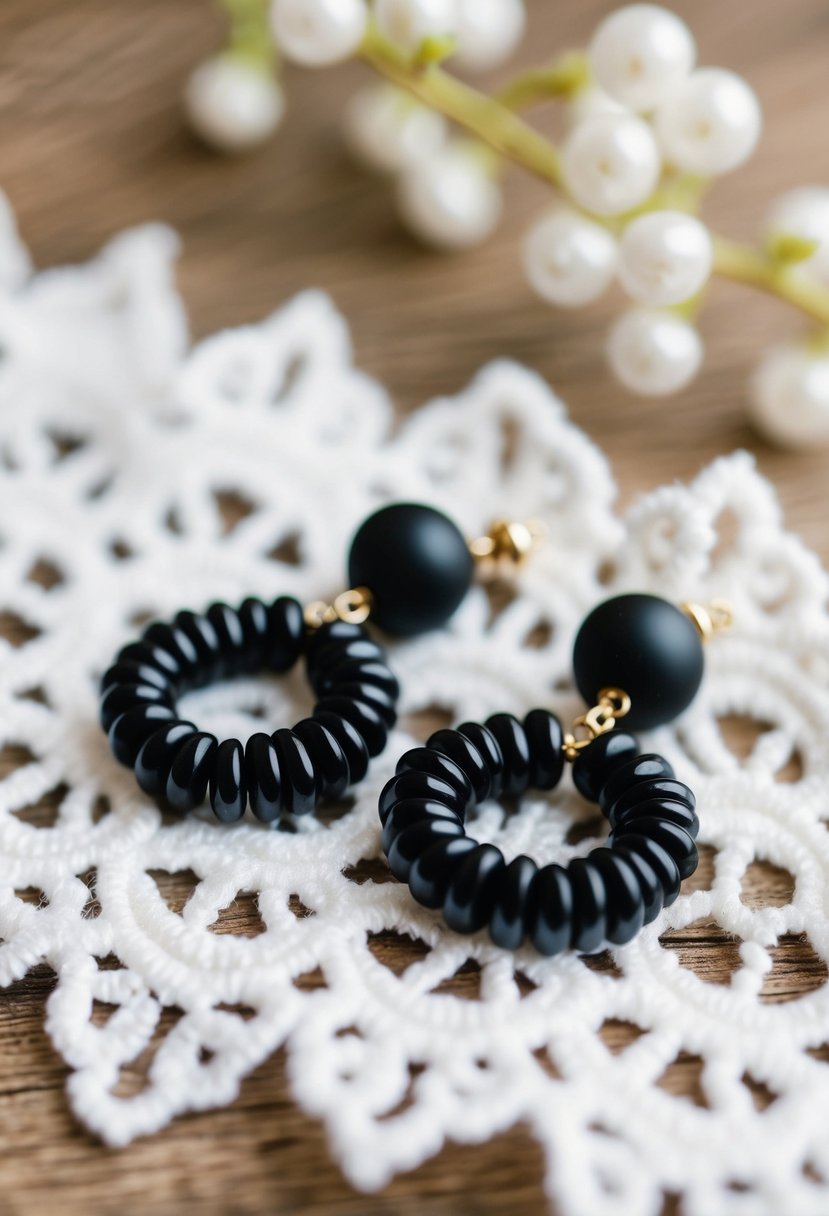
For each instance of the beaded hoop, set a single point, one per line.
(604, 897)
(289, 771)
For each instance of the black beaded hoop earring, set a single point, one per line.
(409, 568)
(635, 657)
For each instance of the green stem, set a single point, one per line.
(745, 264)
(249, 35)
(562, 79)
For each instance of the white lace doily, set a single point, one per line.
(117, 443)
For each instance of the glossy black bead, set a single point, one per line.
(427, 760)
(299, 781)
(644, 791)
(362, 716)
(177, 643)
(343, 650)
(657, 857)
(134, 673)
(466, 755)
(470, 897)
(545, 738)
(228, 627)
(370, 694)
(154, 761)
(432, 872)
(647, 647)
(593, 767)
(406, 814)
(228, 791)
(331, 631)
(152, 656)
(204, 638)
(351, 742)
(121, 697)
(132, 729)
(415, 562)
(327, 757)
(674, 839)
(263, 778)
(411, 784)
(506, 924)
(650, 887)
(589, 926)
(410, 844)
(629, 773)
(254, 619)
(660, 808)
(190, 773)
(515, 748)
(549, 916)
(625, 911)
(286, 633)
(359, 671)
(487, 745)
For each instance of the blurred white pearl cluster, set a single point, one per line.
(646, 120)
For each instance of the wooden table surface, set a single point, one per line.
(92, 140)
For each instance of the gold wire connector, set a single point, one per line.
(507, 544)
(353, 606)
(710, 619)
(612, 704)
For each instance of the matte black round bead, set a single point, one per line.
(360, 671)
(134, 673)
(121, 697)
(351, 742)
(286, 633)
(414, 841)
(190, 773)
(254, 619)
(512, 740)
(506, 924)
(650, 886)
(644, 791)
(660, 808)
(361, 715)
(658, 857)
(406, 814)
(471, 894)
(432, 872)
(545, 738)
(466, 755)
(410, 784)
(263, 778)
(550, 910)
(594, 766)
(425, 760)
(648, 648)
(228, 627)
(486, 743)
(152, 656)
(204, 637)
(177, 643)
(327, 757)
(370, 694)
(674, 839)
(228, 791)
(630, 773)
(154, 761)
(132, 729)
(625, 912)
(299, 781)
(589, 928)
(415, 562)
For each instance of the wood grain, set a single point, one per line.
(92, 140)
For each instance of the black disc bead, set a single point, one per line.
(176, 642)
(545, 738)
(645, 646)
(263, 778)
(228, 791)
(594, 766)
(416, 564)
(658, 858)
(410, 784)
(362, 716)
(299, 781)
(625, 909)
(253, 617)
(132, 729)
(470, 897)
(650, 885)
(660, 808)
(412, 843)
(432, 872)
(463, 751)
(673, 838)
(350, 740)
(357, 671)
(225, 620)
(515, 748)
(286, 633)
(146, 654)
(327, 757)
(644, 791)
(121, 697)
(508, 919)
(426, 760)
(204, 638)
(154, 761)
(550, 911)
(134, 673)
(589, 927)
(411, 811)
(486, 743)
(330, 631)
(630, 773)
(371, 695)
(362, 649)
(190, 772)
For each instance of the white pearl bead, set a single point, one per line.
(653, 353)
(588, 103)
(407, 22)
(664, 258)
(450, 200)
(231, 105)
(710, 123)
(488, 31)
(316, 33)
(804, 213)
(610, 163)
(388, 130)
(790, 397)
(569, 260)
(639, 53)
